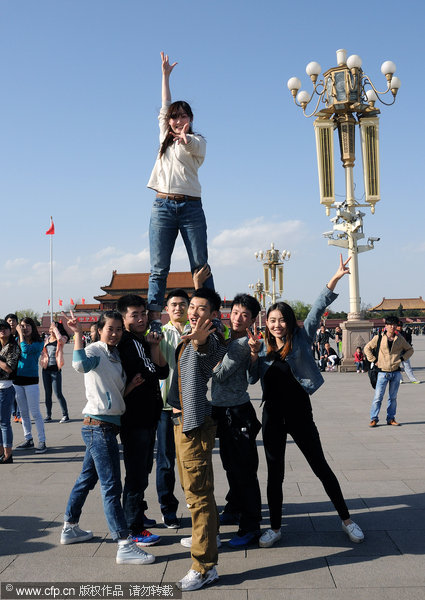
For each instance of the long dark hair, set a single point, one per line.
(172, 112)
(35, 336)
(291, 325)
(61, 329)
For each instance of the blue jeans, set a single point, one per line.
(165, 461)
(168, 217)
(53, 380)
(7, 396)
(101, 461)
(138, 445)
(394, 383)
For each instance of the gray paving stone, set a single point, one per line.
(381, 473)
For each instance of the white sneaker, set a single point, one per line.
(71, 534)
(187, 542)
(129, 553)
(195, 580)
(353, 531)
(268, 538)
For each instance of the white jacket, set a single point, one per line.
(176, 171)
(104, 379)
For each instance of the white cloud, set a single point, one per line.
(232, 247)
(231, 254)
(105, 252)
(15, 263)
(413, 248)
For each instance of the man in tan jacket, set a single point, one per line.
(393, 349)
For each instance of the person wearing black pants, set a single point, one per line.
(238, 426)
(289, 374)
(291, 413)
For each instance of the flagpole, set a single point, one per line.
(51, 275)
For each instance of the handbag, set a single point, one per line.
(373, 372)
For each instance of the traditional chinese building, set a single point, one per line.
(120, 285)
(393, 304)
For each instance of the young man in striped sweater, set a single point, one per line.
(194, 432)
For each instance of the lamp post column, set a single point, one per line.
(354, 286)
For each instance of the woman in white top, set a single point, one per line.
(178, 205)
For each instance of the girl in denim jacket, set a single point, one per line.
(288, 375)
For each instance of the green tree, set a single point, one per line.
(28, 312)
(400, 311)
(300, 309)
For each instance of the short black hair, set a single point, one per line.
(177, 293)
(391, 320)
(210, 295)
(129, 300)
(11, 316)
(247, 301)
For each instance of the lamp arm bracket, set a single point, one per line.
(367, 81)
(315, 110)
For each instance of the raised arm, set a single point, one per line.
(75, 326)
(341, 271)
(166, 72)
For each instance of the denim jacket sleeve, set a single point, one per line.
(312, 322)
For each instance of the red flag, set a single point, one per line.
(48, 302)
(51, 229)
(60, 302)
(72, 302)
(83, 300)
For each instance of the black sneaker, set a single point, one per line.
(171, 521)
(48, 420)
(41, 448)
(25, 444)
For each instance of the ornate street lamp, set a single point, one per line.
(346, 97)
(258, 291)
(273, 261)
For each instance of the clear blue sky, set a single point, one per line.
(80, 84)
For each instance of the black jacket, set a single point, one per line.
(144, 404)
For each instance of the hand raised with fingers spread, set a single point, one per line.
(181, 137)
(341, 271)
(166, 67)
(200, 332)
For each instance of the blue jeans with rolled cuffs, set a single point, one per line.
(101, 462)
(393, 380)
(168, 218)
(7, 396)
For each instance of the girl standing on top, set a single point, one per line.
(178, 205)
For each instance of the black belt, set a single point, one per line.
(177, 418)
(177, 197)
